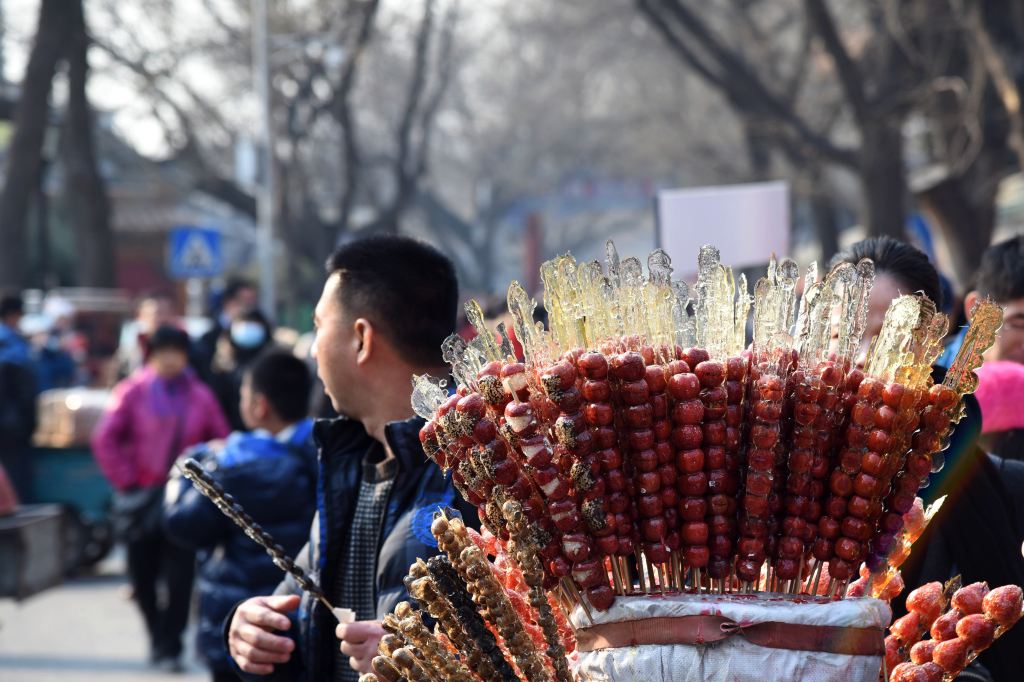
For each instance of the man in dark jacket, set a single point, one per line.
(17, 398)
(387, 305)
(271, 471)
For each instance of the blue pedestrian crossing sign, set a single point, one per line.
(194, 252)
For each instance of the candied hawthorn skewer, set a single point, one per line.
(573, 546)
(596, 389)
(657, 383)
(843, 522)
(808, 388)
(575, 459)
(643, 482)
(924, 457)
(687, 439)
(895, 423)
(713, 535)
(723, 507)
(766, 411)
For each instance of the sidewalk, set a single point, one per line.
(83, 631)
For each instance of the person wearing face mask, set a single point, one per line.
(237, 299)
(247, 336)
(157, 412)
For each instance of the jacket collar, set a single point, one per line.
(342, 433)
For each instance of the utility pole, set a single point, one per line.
(265, 202)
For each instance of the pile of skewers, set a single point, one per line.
(651, 450)
(962, 621)
(641, 446)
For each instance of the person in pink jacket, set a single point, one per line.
(155, 414)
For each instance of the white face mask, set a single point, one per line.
(248, 334)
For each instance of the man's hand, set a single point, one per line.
(359, 642)
(250, 639)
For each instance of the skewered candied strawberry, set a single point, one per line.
(1003, 605)
(977, 630)
(970, 598)
(922, 652)
(951, 655)
(927, 601)
(944, 627)
(895, 652)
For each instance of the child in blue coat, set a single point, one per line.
(271, 471)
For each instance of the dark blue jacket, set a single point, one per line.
(419, 489)
(276, 484)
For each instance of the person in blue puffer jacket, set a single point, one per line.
(271, 471)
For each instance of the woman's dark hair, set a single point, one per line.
(907, 264)
(407, 288)
(168, 338)
(285, 381)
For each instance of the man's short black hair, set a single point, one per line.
(407, 288)
(285, 381)
(908, 265)
(168, 337)
(11, 304)
(1001, 273)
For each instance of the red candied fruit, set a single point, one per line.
(1003, 604)
(977, 630)
(951, 655)
(921, 652)
(969, 598)
(926, 600)
(944, 627)
(907, 628)
(683, 386)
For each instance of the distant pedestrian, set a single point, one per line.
(238, 298)
(155, 310)
(17, 398)
(248, 336)
(271, 471)
(156, 413)
(1000, 277)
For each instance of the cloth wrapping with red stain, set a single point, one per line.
(746, 638)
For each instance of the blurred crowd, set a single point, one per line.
(243, 405)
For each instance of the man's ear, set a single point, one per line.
(365, 339)
(969, 300)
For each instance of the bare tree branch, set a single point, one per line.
(850, 78)
(738, 81)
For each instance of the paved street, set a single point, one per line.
(85, 630)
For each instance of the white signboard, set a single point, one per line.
(746, 222)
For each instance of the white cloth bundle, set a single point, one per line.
(734, 659)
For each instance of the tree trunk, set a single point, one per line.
(965, 225)
(883, 183)
(89, 209)
(24, 157)
(759, 151)
(823, 214)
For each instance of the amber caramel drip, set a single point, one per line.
(986, 319)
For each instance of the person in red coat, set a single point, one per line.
(160, 410)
